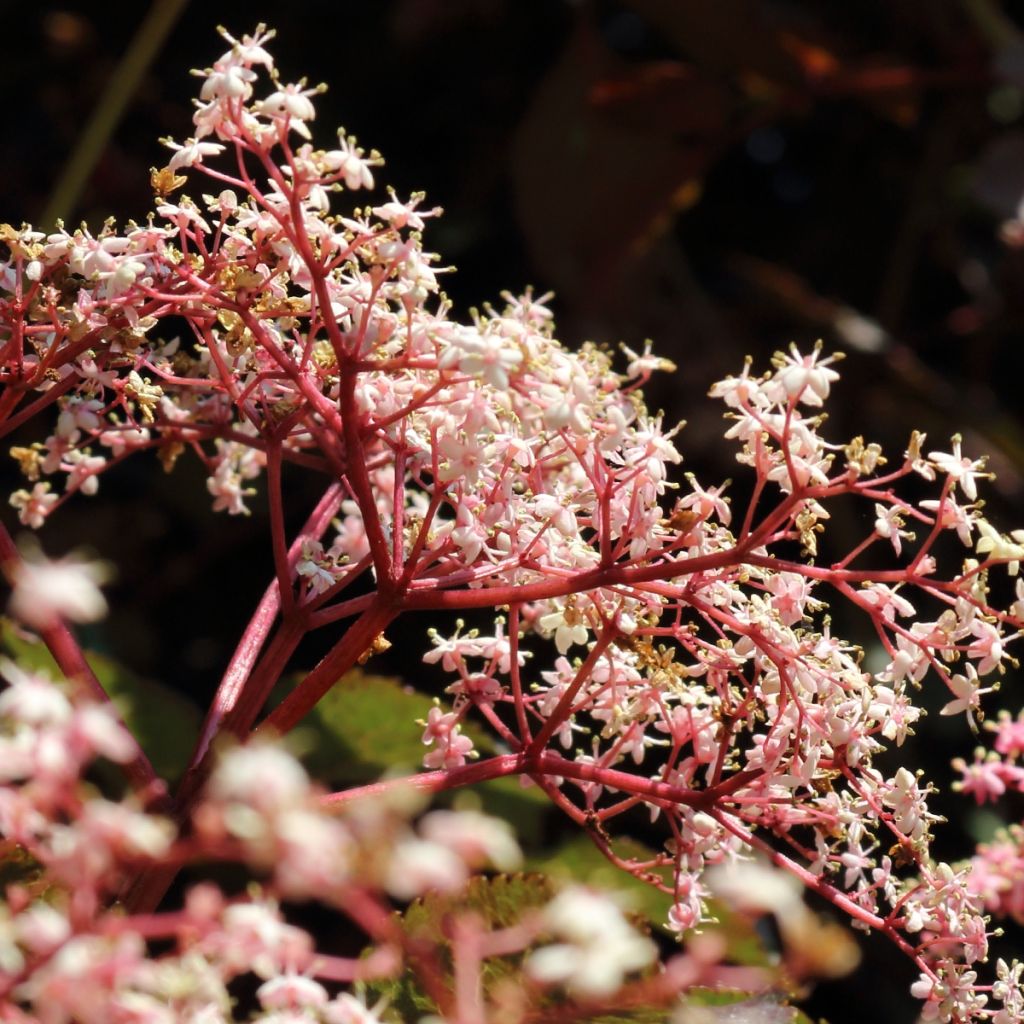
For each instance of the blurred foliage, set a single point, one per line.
(497, 902)
(364, 727)
(505, 900)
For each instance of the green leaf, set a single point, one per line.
(165, 723)
(365, 727)
(497, 902)
(744, 944)
(500, 902)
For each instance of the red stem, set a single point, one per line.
(356, 644)
(563, 709)
(233, 683)
(279, 540)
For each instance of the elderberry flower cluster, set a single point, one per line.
(683, 650)
(68, 955)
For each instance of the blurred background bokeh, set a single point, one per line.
(723, 178)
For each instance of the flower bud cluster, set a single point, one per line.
(67, 955)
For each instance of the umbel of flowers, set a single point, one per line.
(652, 645)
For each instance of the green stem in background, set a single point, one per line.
(120, 90)
(992, 23)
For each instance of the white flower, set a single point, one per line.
(474, 837)
(417, 865)
(888, 524)
(32, 699)
(228, 81)
(96, 727)
(262, 776)
(42, 928)
(644, 364)
(291, 991)
(567, 633)
(255, 938)
(35, 505)
(404, 215)
(753, 886)
(961, 470)
(487, 355)
(249, 49)
(292, 102)
(349, 161)
(46, 591)
(346, 1009)
(130, 832)
(314, 567)
(999, 548)
(191, 153)
(966, 690)
(600, 946)
(805, 378)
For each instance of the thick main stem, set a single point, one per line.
(356, 645)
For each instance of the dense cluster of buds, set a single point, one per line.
(484, 466)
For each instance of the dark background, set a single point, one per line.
(721, 177)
